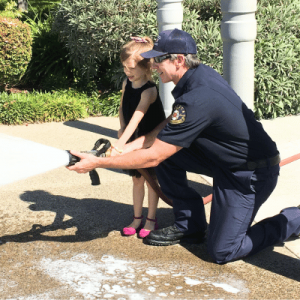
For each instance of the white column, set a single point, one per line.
(22, 5)
(238, 31)
(169, 16)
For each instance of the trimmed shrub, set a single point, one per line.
(277, 59)
(62, 105)
(3, 4)
(109, 103)
(95, 30)
(15, 51)
(42, 107)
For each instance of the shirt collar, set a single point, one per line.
(180, 86)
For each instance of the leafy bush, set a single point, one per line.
(64, 105)
(50, 66)
(205, 29)
(15, 50)
(109, 103)
(41, 107)
(95, 30)
(206, 9)
(277, 65)
(9, 9)
(40, 6)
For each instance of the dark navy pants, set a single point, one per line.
(237, 197)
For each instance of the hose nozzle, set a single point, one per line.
(93, 174)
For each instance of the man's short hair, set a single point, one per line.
(191, 60)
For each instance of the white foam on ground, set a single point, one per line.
(226, 287)
(154, 272)
(121, 279)
(21, 158)
(94, 279)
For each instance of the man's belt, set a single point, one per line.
(263, 163)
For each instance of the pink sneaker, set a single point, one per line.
(144, 232)
(127, 231)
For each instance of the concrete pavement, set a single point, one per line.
(60, 236)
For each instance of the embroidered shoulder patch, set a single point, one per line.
(178, 115)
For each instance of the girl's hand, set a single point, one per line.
(114, 152)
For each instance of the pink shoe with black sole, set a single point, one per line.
(128, 231)
(144, 232)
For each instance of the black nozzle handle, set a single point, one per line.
(100, 152)
(94, 177)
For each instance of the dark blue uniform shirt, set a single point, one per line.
(210, 118)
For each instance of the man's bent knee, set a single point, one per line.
(220, 256)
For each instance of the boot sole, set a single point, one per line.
(187, 240)
(161, 243)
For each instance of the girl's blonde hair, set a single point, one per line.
(134, 48)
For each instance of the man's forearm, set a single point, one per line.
(143, 158)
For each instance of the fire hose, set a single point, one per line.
(105, 151)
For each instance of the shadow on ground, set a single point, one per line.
(91, 218)
(110, 133)
(267, 259)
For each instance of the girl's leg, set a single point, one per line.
(152, 206)
(138, 198)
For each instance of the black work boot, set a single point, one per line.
(172, 235)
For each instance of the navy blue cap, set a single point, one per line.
(172, 41)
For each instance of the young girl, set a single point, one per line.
(140, 112)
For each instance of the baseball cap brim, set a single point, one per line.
(152, 53)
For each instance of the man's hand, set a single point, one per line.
(88, 162)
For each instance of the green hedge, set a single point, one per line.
(55, 106)
(15, 50)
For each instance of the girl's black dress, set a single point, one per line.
(153, 116)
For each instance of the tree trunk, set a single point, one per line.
(22, 5)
